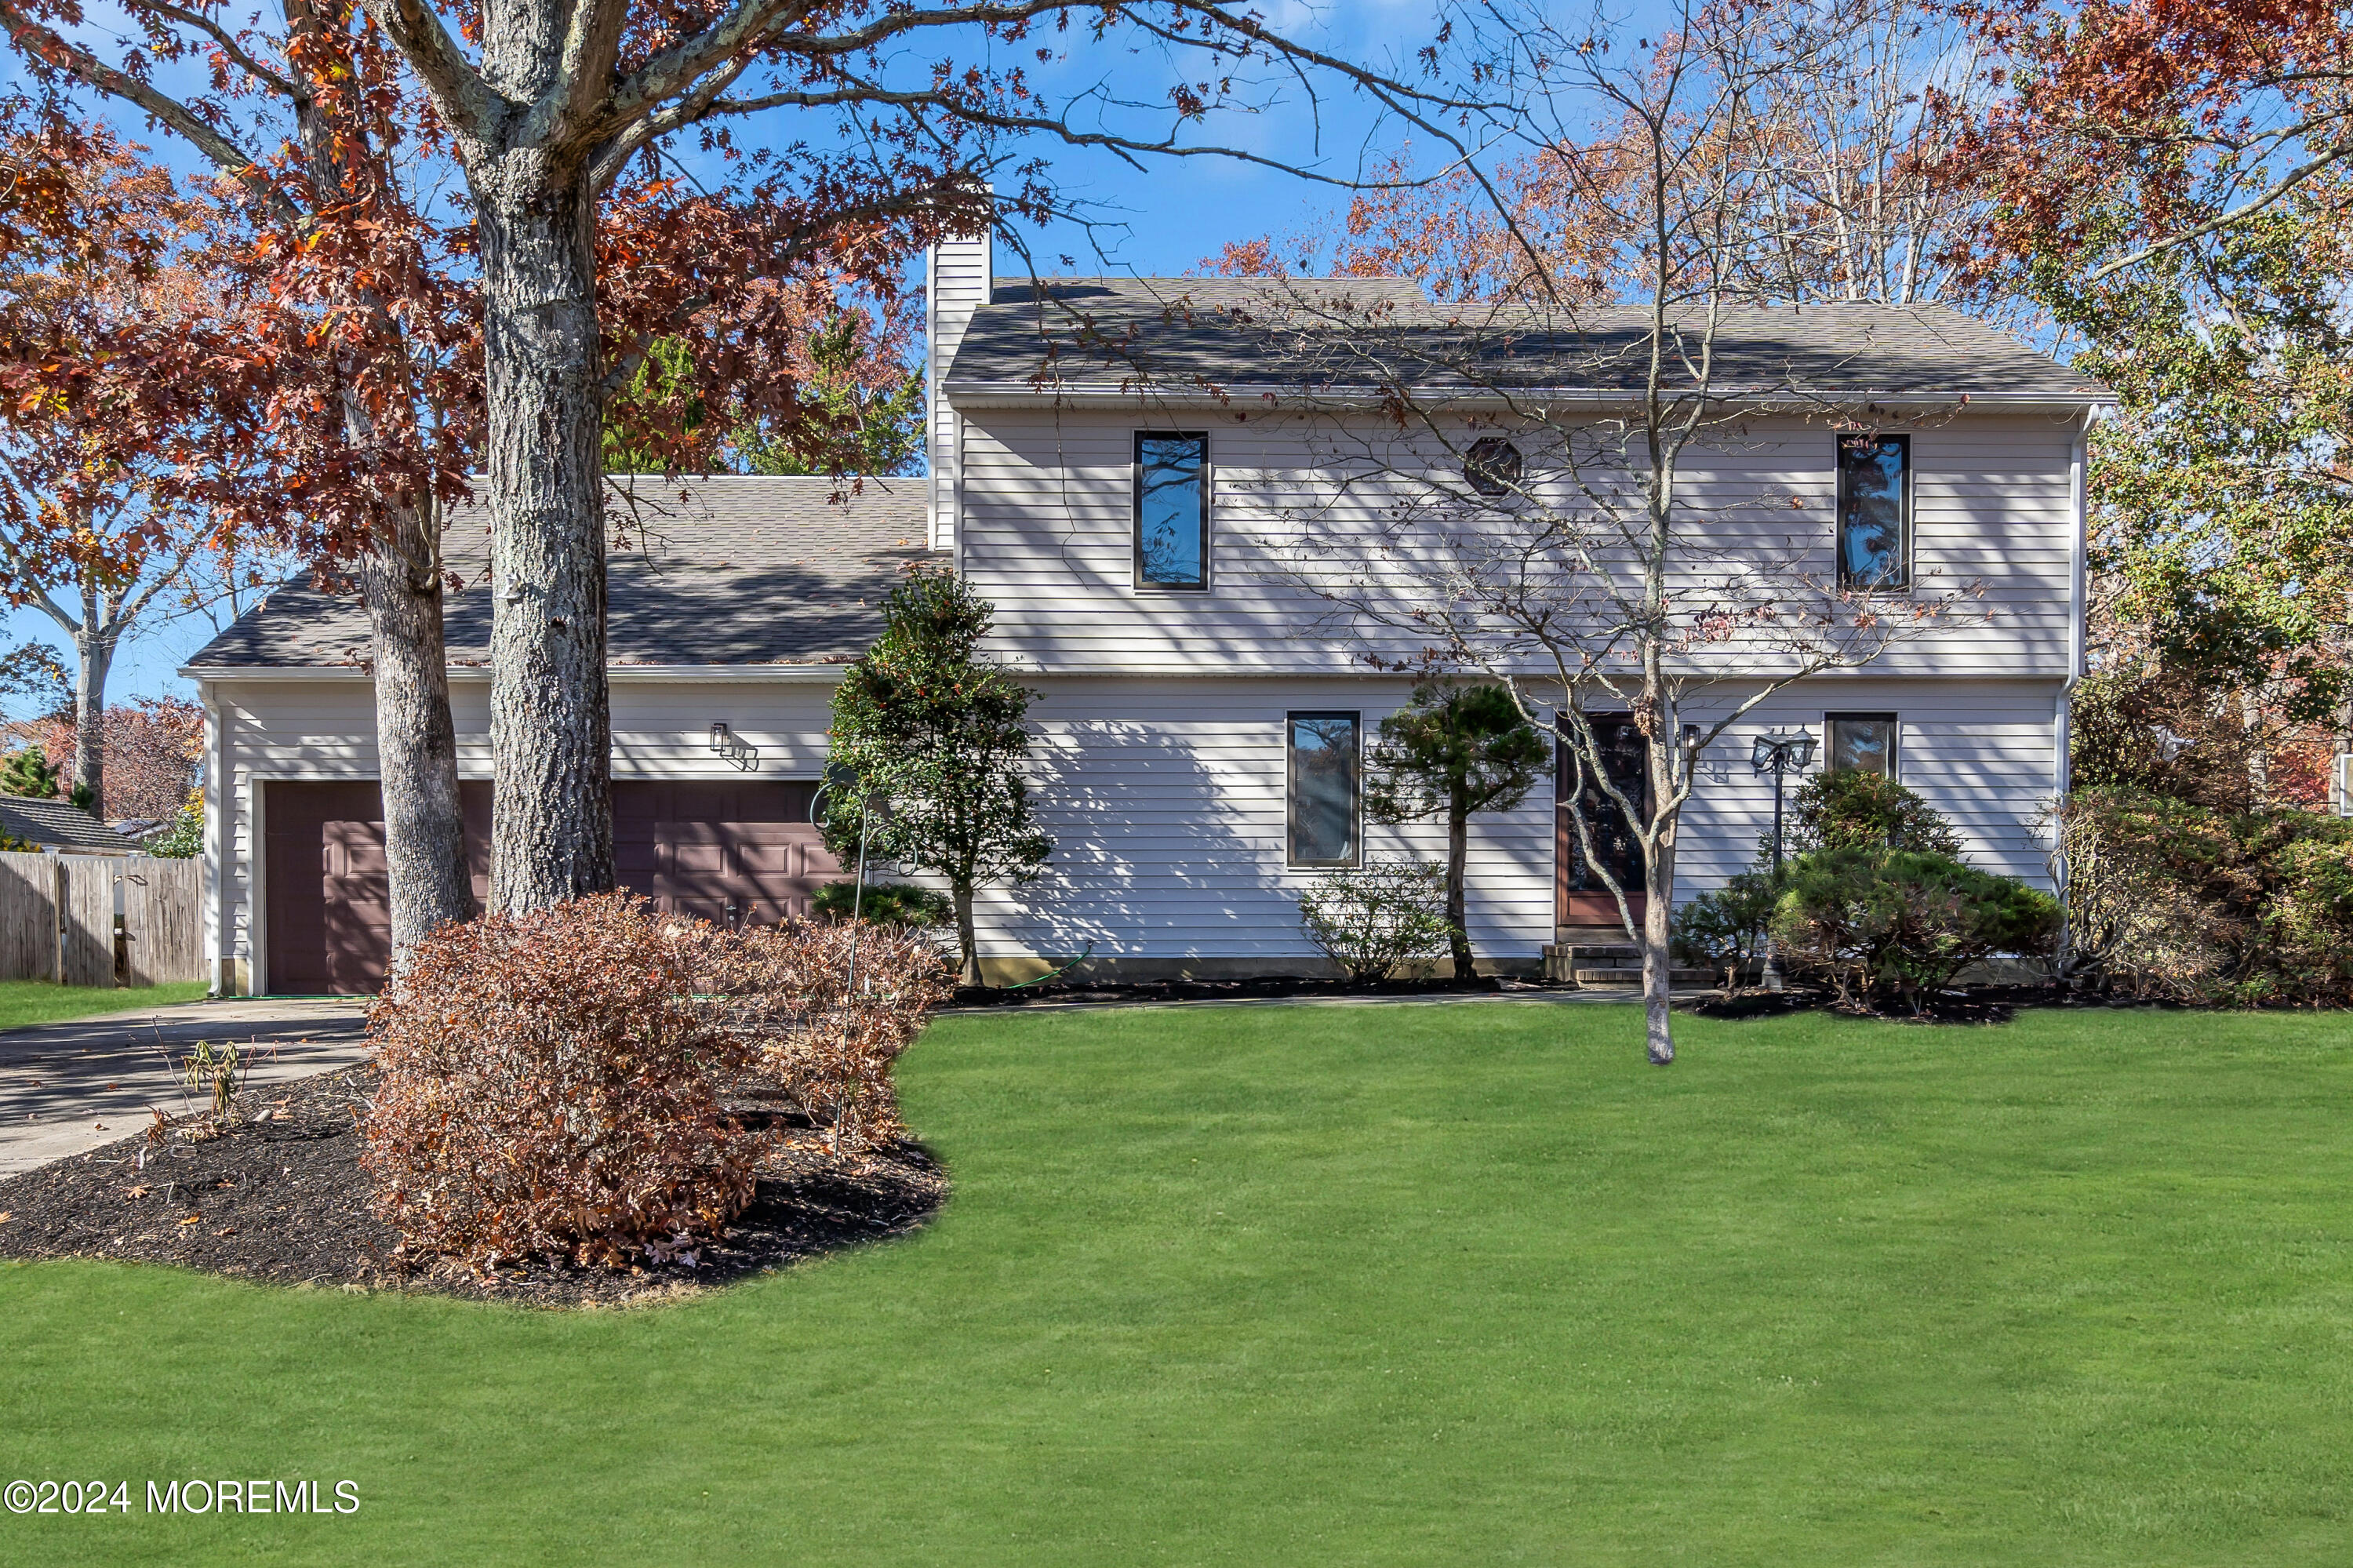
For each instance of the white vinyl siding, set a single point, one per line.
(1048, 517)
(1167, 796)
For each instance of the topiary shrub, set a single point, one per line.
(824, 1011)
(1876, 925)
(1378, 918)
(884, 904)
(549, 1085)
(1853, 809)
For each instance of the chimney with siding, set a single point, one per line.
(956, 283)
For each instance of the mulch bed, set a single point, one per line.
(1975, 1004)
(284, 1200)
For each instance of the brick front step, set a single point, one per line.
(1633, 977)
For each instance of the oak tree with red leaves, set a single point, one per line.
(2170, 181)
(585, 244)
(106, 340)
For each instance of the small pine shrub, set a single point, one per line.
(30, 773)
(1878, 924)
(1378, 918)
(1725, 930)
(884, 904)
(550, 1086)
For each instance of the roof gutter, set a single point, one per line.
(1272, 397)
(617, 674)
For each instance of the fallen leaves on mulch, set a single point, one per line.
(280, 1197)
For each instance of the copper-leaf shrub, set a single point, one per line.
(824, 1011)
(550, 1085)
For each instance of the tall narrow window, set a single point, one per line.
(1861, 743)
(1874, 511)
(1323, 788)
(1172, 510)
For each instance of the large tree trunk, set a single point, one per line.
(1457, 857)
(417, 739)
(968, 944)
(1657, 959)
(551, 728)
(93, 659)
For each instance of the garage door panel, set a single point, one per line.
(719, 850)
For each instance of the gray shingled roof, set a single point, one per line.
(1329, 334)
(722, 569)
(61, 823)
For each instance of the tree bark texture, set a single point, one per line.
(93, 661)
(417, 739)
(1657, 959)
(967, 943)
(551, 726)
(1458, 858)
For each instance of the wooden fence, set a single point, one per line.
(70, 917)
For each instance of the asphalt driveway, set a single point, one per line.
(69, 1086)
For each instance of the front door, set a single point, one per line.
(1581, 895)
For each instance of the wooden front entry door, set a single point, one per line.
(1580, 897)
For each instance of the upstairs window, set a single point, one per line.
(1172, 510)
(1323, 788)
(1861, 743)
(1874, 513)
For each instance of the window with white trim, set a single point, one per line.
(1325, 789)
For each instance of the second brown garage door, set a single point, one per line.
(737, 853)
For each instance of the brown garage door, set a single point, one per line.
(323, 860)
(735, 853)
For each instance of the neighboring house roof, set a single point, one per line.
(61, 823)
(718, 569)
(1066, 335)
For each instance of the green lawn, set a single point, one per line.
(38, 1001)
(1398, 1284)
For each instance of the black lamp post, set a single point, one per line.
(841, 781)
(1781, 755)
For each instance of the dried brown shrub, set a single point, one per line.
(825, 1010)
(551, 1085)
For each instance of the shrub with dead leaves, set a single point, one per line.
(824, 1011)
(551, 1084)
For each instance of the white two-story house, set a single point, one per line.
(1117, 466)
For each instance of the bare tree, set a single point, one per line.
(1539, 502)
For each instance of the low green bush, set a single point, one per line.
(1374, 919)
(1878, 924)
(884, 904)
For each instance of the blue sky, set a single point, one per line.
(1165, 219)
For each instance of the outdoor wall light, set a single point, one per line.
(738, 751)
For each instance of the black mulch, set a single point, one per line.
(1975, 1004)
(284, 1200)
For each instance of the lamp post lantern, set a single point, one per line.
(1779, 754)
